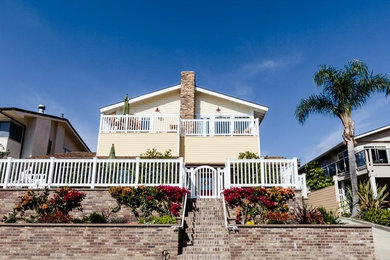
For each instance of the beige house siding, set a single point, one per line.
(134, 144)
(206, 104)
(216, 149)
(325, 197)
(168, 103)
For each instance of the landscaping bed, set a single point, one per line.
(53, 224)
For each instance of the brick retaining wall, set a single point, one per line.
(79, 241)
(302, 242)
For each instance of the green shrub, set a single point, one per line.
(166, 219)
(248, 155)
(316, 178)
(154, 154)
(329, 216)
(378, 216)
(95, 217)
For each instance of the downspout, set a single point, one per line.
(24, 130)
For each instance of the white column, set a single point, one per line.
(336, 187)
(373, 184)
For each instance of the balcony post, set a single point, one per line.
(51, 172)
(94, 169)
(101, 124)
(137, 164)
(151, 124)
(7, 172)
(231, 125)
(204, 128)
(126, 123)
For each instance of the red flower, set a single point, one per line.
(175, 208)
(149, 197)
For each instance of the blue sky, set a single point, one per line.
(77, 56)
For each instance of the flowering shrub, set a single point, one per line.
(53, 210)
(277, 217)
(259, 204)
(146, 201)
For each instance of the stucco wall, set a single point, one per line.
(216, 149)
(134, 144)
(325, 197)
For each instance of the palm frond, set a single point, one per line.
(319, 104)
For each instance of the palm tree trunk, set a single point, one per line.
(353, 176)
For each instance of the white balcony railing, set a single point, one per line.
(139, 123)
(170, 123)
(219, 126)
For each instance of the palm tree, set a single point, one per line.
(342, 91)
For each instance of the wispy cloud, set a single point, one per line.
(330, 140)
(246, 72)
(263, 65)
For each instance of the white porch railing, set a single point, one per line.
(91, 172)
(39, 173)
(218, 126)
(262, 172)
(138, 123)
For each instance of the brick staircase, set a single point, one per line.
(206, 236)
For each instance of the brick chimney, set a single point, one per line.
(187, 95)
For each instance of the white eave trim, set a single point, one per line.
(372, 132)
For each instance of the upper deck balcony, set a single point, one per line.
(212, 126)
(374, 158)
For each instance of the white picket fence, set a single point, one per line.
(91, 172)
(262, 172)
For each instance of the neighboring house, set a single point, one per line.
(27, 133)
(200, 125)
(372, 154)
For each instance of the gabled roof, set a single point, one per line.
(257, 107)
(57, 118)
(360, 136)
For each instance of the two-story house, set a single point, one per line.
(25, 133)
(200, 125)
(372, 154)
